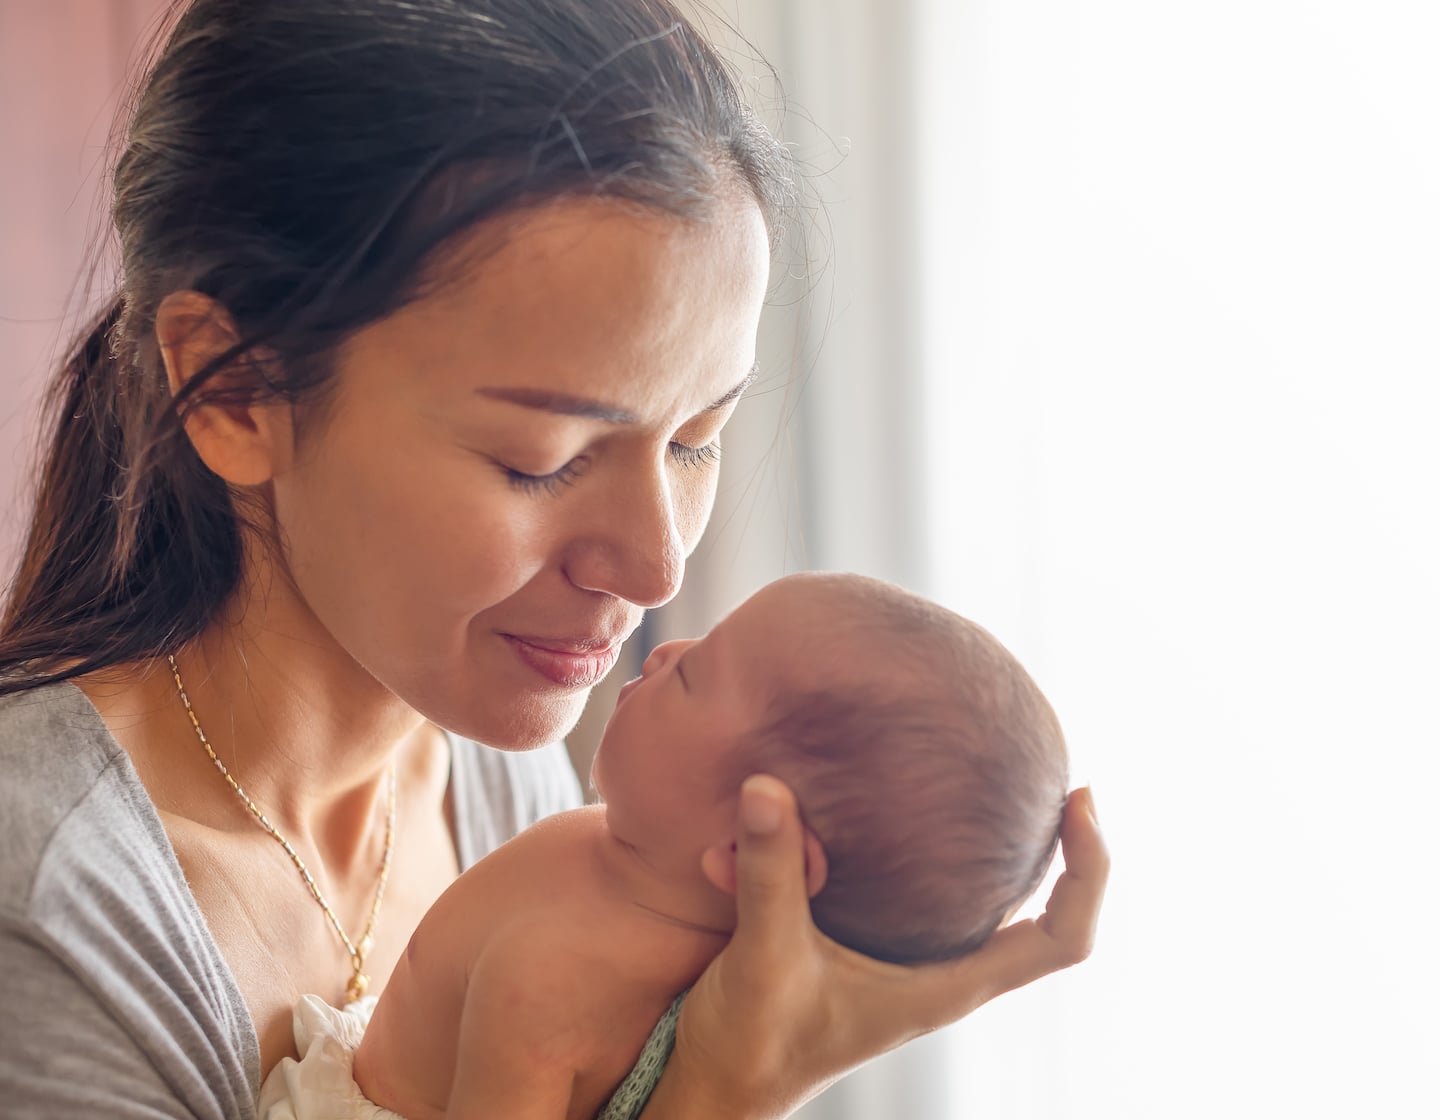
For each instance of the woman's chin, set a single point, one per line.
(519, 723)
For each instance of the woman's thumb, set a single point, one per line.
(770, 855)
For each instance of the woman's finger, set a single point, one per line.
(1027, 950)
(1073, 910)
(770, 864)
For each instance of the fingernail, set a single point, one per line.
(758, 810)
(1090, 800)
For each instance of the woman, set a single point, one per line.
(432, 313)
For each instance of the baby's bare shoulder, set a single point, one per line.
(546, 986)
(521, 882)
(554, 927)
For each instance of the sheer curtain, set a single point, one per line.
(1181, 358)
(822, 465)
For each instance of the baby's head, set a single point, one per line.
(924, 758)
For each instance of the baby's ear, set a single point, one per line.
(718, 864)
(817, 867)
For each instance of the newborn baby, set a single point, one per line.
(927, 765)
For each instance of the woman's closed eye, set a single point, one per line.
(546, 483)
(683, 453)
(704, 455)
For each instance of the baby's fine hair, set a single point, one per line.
(929, 765)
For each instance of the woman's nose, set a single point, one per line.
(633, 548)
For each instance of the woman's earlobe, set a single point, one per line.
(246, 444)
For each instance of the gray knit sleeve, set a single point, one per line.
(116, 1001)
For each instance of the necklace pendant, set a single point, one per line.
(359, 982)
(356, 988)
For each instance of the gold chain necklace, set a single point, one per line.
(358, 950)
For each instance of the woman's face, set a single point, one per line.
(517, 465)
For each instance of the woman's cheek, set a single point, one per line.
(490, 546)
(694, 496)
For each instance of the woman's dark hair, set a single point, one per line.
(301, 162)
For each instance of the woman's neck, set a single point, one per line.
(307, 733)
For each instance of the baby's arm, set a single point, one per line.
(519, 1050)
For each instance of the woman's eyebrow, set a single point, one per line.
(745, 383)
(567, 405)
(561, 403)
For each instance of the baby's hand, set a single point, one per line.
(784, 1011)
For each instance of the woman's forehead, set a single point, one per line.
(579, 299)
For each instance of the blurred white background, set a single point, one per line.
(1121, 339)
(1182, 376)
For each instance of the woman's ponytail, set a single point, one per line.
(120, 563)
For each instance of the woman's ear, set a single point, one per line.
(718, 864)
(245, 444)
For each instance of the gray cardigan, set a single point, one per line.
(114, 999)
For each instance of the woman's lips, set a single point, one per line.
(568, 663)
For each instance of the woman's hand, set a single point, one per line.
(784, 1011)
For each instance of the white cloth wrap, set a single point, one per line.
(321, 1085)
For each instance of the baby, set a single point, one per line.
(927, 765)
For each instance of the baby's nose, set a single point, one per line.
(662, 655)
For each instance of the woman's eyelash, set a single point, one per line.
(696, 456)
(551, 483)
(545, 483)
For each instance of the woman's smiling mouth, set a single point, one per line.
(567, 662)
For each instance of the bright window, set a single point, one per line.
(1183, 358)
